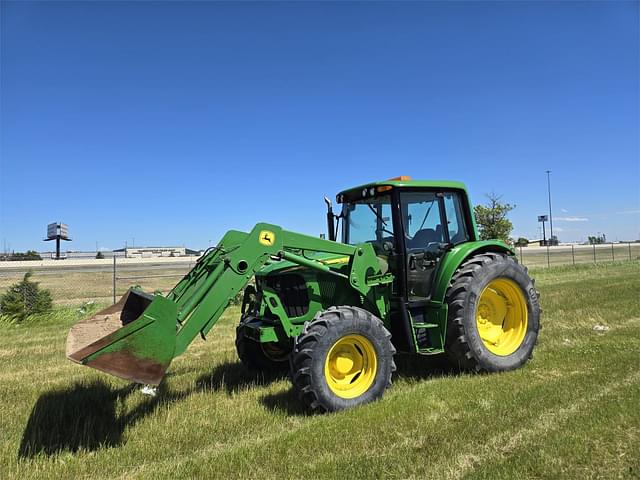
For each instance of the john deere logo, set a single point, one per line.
(266, 238)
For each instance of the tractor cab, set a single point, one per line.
(411, 225)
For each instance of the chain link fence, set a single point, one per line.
(534, 256)
(105, 281)
(100, 282)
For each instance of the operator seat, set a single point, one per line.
(424, 237)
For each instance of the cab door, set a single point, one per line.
(424, 239)
(432, 223)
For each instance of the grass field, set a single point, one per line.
(570, 413)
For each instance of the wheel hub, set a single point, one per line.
(350, 366)
(502, 316)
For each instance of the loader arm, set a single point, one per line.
(204, 293)
(152, 330)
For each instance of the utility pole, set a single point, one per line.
(549, 191)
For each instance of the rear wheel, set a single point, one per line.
(267, 357)
(343, 358)
(494, 314)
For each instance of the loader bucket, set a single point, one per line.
(133, 339)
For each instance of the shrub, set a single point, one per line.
(25, 298)
(99, 255)
(28, 255)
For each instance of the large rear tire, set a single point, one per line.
(343, 358)
(494, 314)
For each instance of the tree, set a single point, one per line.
(25, 298)
(522, 242)
(492, 218)
(99, 255)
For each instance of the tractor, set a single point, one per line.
(408, 274)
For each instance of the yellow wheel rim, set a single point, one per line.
(350, 366)
(502, 316)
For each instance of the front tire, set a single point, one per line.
(343, 358)
(494, 314)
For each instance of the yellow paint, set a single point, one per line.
(266, 237)
(502, 316)
(333, 261)
(351, 365)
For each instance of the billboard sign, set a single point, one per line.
(55, 229)
(543, 218)
(52, 230)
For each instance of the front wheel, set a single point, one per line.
(494, 314)
(343, 358)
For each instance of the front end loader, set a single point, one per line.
(409, 275)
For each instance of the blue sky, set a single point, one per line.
(173, 122)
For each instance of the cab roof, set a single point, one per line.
(406, 182)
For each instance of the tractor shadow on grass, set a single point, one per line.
(286, 402)
(85, 416)
(91, 416)
(424, 367)
(233, 377)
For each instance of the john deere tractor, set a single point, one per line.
(408, 275)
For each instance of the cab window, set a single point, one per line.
(455, 218)
(423, 226)
(369, 221)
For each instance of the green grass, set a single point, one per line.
(570, 413)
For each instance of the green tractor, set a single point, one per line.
(409, 275)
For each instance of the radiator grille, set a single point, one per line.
(292, 292)
(328, 291)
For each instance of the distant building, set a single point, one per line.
(128, 252)
(153, 252)
(73, 255)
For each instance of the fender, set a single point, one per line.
(454, 258)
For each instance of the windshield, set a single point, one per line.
(368, 220)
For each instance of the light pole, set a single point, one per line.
(550, 215)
